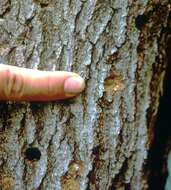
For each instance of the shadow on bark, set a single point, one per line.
(157, 159)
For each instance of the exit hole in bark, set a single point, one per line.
(33, 154)
(140, 21)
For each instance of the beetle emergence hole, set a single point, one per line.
(33, 154)
(140, 21)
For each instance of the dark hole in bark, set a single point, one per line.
(140, 21)
(33, 154)
(157, 158)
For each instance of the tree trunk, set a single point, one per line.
(99, 140)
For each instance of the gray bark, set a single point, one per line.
(100, 139)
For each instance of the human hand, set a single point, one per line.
(21, 84)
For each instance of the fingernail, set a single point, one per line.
(74, 85)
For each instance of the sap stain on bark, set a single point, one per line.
(7, 183)
(114, 83)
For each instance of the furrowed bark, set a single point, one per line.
(99, 140)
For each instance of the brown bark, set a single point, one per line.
(99, 140)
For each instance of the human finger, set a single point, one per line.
(21, 84)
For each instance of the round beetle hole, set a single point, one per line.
(33, 154)
(140, 21)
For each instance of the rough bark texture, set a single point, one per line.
(99, 140)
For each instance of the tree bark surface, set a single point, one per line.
(100, 139)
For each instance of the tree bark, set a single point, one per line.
(99, 140)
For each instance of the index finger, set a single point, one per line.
(23, 84)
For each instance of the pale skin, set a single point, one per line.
(21, 84)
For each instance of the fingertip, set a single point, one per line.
(74, 85)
